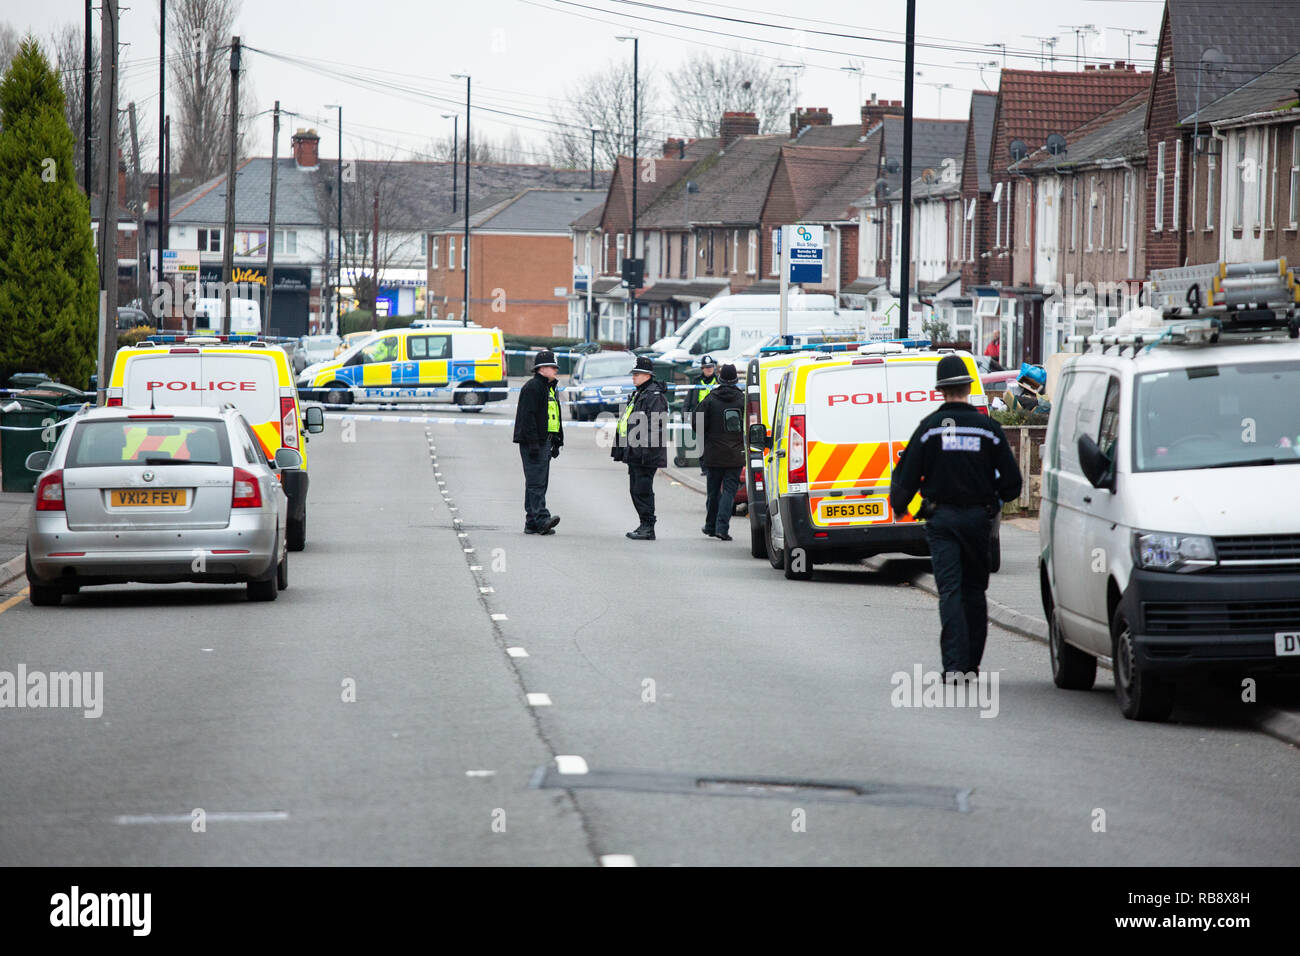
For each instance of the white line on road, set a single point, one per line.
(570, 764)
(539, 700)
(618, 859)
(487, 590)
(476, 567)
(218, 816)
(516, 652)
(499, 617)
(469, 550)
(480, 773)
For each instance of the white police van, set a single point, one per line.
(1170, 540)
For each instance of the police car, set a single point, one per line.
(464, 365)
(213, 371)
(839, 423)
(1170, 543)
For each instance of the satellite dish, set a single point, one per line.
(1213, 62)
(1018, 150)
(882, 187)
(928, 176)
(892, 166)
(1056, 144)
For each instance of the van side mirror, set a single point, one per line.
(758, 436)
(288, 458)
(1097, 468)
(38, 461)
(314, 416)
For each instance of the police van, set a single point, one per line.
(1169, 540)
(839, 423)
(213, 371)
(464, 365)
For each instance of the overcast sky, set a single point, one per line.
(525, 54)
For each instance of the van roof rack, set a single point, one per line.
(1246, 296)
(204, 338)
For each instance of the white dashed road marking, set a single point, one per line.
(539, 700)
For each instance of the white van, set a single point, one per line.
(727, 326)
(245, 316)
(1170, 543)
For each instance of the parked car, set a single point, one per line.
(132, 318)
(600, 382)
(160, 495)
(310, 349)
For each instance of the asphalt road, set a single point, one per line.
(682, 672)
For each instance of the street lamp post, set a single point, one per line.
(338, 251)
(636, 135)
(455, 144)
(465, 242)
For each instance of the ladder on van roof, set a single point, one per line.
(1245, 296)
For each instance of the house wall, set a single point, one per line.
(1165, 247)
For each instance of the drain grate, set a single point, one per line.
(772, 788)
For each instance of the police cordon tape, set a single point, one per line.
(490, 422)
(34, 428)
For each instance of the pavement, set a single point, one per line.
(437, 687)
(14, 508)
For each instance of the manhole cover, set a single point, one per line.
(778, 788)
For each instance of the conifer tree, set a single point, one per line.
(49, 278)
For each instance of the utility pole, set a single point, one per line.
(86, 121)
(636, 174)
(162, 139)
(374, 269)
(270, 226)
(108, 196)
(228, 238)
(465, 242)
(137, 187)
(165, 204)
(905, 250)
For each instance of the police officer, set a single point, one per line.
(641, 443)
(722, 414)
(539, 435)
(959, 461)
(700, 391)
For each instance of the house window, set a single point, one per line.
(1028, 201)
(1160, 186)
(604, 254)
(1175, 207)
(1241, 181)
(776, 238)
(1126, 210)
(451, 253)
(970, 219)
(1074, 212)
(735, 250)
(1092, 205)
(997, 216)
(753, 250)
(1261, 179)
(1105, 223)
(726, 255)
(708, 255)
(433, 251)
(684, 252)
(209, 240)
(286, 242)
(1295, 178)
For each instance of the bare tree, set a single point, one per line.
(198, 94)
(710, 84)
(69, 53)
(9, 40)
(603, 99)
(365, 183)
(486, 149)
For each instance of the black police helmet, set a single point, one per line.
(644, 364)
(544, 358)
(951, 371)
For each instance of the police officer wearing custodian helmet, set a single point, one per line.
(540, 436)
(959, 461)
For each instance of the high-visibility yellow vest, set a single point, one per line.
(552, 413)
(622, 422)
(704, 388)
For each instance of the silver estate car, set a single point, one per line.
(161, 496)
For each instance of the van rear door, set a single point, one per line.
(912, 396)
(848, 444)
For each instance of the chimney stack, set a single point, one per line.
(674, 148)
(736, 124)
(305, 146)
(808, 116)
(874, 110)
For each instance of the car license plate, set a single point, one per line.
(853, 509)
(1287, 643)
(149, 498)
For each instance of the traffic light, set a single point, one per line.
(633, 273)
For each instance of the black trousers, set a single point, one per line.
(722, 485)
(537, 475)
(959, 552)
(641, 485)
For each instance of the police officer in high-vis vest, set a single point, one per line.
(959, 461)
(698, 393)
(540, 436)
(641, 443)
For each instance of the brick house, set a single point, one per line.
(976, 190)
(1204, 52)
(520, 258)
(1244, 194)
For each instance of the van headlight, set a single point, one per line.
(1159, 551)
